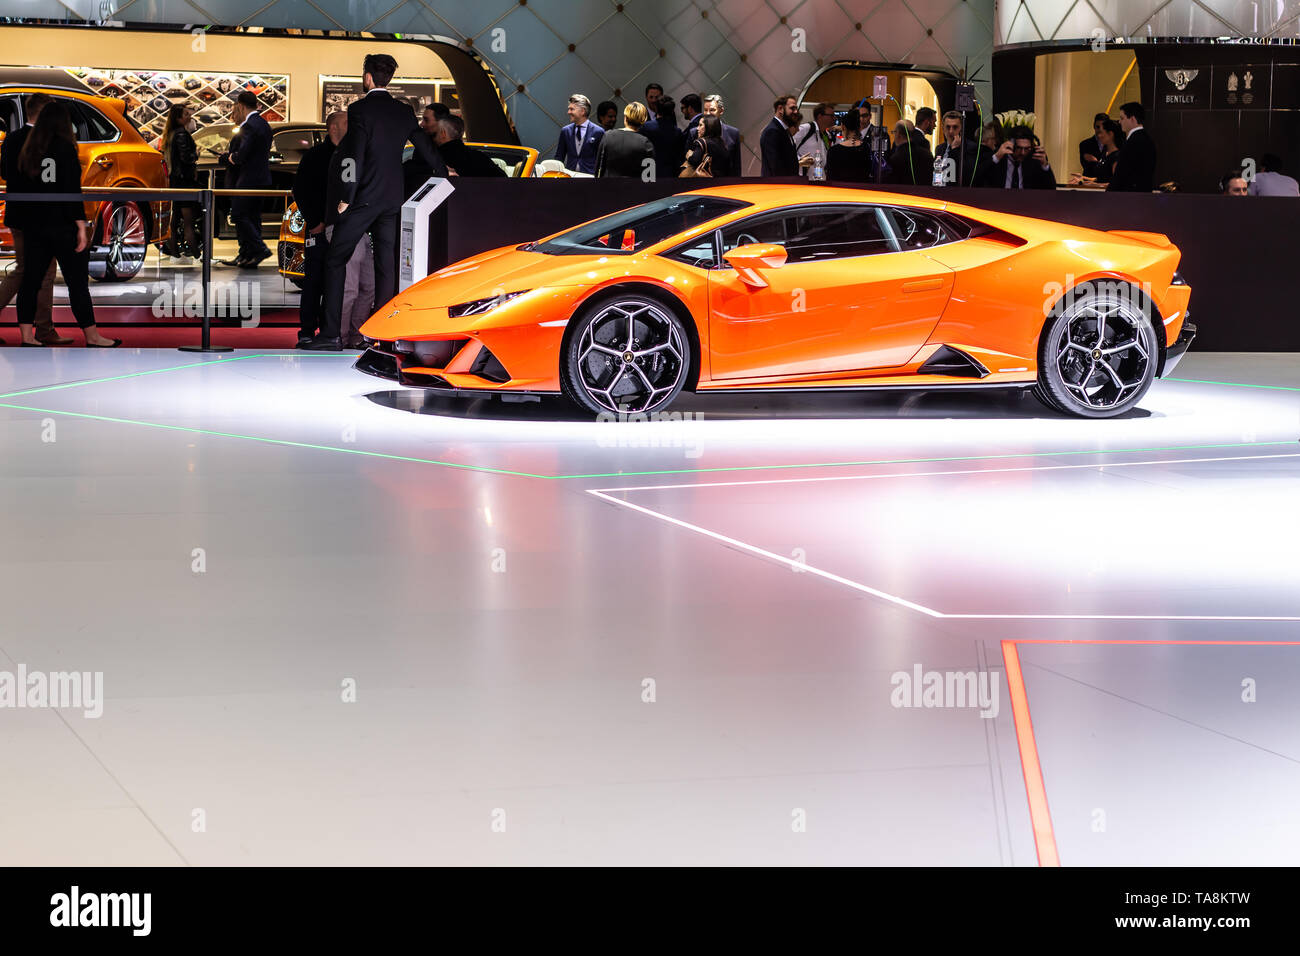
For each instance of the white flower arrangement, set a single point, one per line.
(1014, 118)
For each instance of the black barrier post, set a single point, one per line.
(208, 200)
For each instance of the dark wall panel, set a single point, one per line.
(1239, 255)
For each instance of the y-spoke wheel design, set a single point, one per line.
(626, 354)
(1098, 355)
(122, 241)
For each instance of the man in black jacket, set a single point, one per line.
(1135, 170)
(466, 160)
(1090, 150)
(46, 333)
(776, 144)
(250, 165)
(415, 171)
(910, 162)
(371, 191)
(310, 191)
(1019, 163)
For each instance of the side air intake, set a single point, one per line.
(954, 362)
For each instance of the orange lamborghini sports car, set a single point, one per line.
(778, 287)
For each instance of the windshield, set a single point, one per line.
(635, 229)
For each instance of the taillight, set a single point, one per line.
(629, 240)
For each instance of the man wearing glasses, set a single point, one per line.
(1019, 163)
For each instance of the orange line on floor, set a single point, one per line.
(1039, 815)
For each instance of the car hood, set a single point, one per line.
(508, 269)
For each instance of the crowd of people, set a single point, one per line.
(350, 187)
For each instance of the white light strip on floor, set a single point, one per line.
(965, 471)
(606, 494)
(796, 565)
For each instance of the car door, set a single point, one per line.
(849, 297)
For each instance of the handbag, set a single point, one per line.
(703, 170)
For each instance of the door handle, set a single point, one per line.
(103, 162)
(923, 285)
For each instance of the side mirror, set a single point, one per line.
(750, 259)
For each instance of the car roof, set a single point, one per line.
(43, 79)
(773, 195)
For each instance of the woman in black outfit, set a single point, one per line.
(182, 173)
(623, 152)
(849, 160)
(711, 144)
(48, 163)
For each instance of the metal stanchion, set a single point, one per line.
(206, 345)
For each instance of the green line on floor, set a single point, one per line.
(1197, 381)
(275, 441)
(118, 378)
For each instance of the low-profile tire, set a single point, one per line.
(625, 354)
(1045, 397)
(1098, 352)
(121, 240)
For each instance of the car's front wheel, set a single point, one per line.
(625, 354)
(1097, 356)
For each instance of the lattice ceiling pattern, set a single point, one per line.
(543, 50)
(1038, 21)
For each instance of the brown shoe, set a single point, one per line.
(54, 339)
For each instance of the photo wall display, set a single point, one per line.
(338, 92)
(149, 94)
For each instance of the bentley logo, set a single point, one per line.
(1180, 78)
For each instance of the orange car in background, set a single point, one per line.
(112, 154)
(778, 287)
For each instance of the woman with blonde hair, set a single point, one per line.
(625, 152)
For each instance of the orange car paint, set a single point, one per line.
(869, 320)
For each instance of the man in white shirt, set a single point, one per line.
(1269, 181)
(812, 141)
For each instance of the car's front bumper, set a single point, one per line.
(1175, 352)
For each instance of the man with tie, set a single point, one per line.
(1135, 170)
(776, 145)
(966, 155)
(1019, 163)
(580, 139)
(371, 192)
(1090, 150)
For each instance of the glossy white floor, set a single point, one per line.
(580, 642)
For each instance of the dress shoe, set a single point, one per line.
(320, 344)
(252, 262)
(237, 261)
(304, 341)
(54, 339)
(114, 343)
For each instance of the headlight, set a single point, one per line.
(479, 306)
(294, 218)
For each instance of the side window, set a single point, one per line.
(697, 252)
(760, 229)
(837, 234)
(9, 114)
(815, 234)
(90, 123)
(919, 230)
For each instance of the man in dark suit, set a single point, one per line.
(415, 171)
(1091, 150)
(1019, 163)
(668, 141)
(966, 155)
(46, 333)
(465, 160)
(311, 191)
(910, 162)
(1135, 170)
(371, 194)
(579, 140)
(776, 144)
(250, 166)
(714, 106)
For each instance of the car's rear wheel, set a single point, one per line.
(121, 241)
(1097, 356)
(625, 354)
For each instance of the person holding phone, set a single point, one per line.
(1019, 163)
